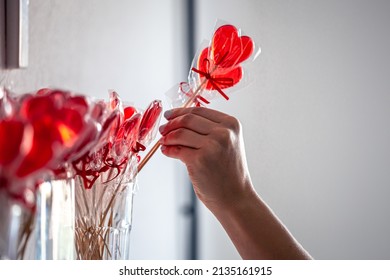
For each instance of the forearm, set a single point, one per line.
(255, 231)
(210, 143)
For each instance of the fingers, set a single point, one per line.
(186, 132)
(194, 132)
(183, 137)
(189, 121)
(178, 152)
(207, 113)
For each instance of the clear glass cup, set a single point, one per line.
(44, 232)
(103, 220)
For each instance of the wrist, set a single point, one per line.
(235, 202)
(255, 230)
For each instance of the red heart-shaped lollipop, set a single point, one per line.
(12, 133)
(41, 152)
(220, 63)
(228, 48)
(219, 78)
(149, 121)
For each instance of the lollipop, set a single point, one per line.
(218, 67)
(39, 131)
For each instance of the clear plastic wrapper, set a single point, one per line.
(125, 132)
(54, 135)
(217, 68)
(40, 134)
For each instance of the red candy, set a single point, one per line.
(40, 154)
(228, 49)
(219, 63)
(11, 137)
(149, 120)
(129, 112)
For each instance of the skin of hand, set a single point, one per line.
(211, 145)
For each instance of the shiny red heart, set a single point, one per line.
(69, 124)
(78, 103)
(228, 48)
(149, 121)
(11, 137)
(129, 111)
(127, 134)
(222, 77)
(41, 152)
(57, 121)
(36, 107)
(61, 114)
(220, 63)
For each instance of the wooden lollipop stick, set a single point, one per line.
(189, 102)
(148, 155)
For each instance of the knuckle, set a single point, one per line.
(196, 110)
(178, 133)
(233, 124)
(186, 120)
(225, 136)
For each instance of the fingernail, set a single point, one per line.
(168, 113)
(163, 148)
(161, 128)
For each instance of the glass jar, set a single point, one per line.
(103, 220)
(44, 231)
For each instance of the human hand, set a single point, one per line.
(210, 144)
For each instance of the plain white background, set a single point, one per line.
(315, 117)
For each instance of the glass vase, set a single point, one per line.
(14, 216)
(42, 232)
(103, 220)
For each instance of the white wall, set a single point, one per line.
(315, 120)
(134, 47)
